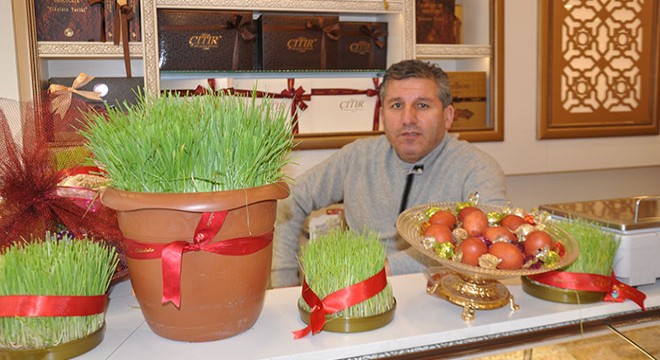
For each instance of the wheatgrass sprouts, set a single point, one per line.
(51, 267)
(597, 247)
(177, 144)
(341, 258)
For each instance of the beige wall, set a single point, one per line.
(8, 77)
(538, 171)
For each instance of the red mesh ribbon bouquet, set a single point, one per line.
(44, 189)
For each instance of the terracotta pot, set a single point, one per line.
(221, 295)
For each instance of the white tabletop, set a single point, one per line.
(421, 322)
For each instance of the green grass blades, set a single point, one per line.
(341, 258)
(597, 247)
(178, 144)
(51, 267)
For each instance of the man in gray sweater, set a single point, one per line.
(415, 162)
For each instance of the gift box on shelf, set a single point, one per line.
(342, 105)
(436, 22)
(362, 45)
(469, 93)
(196, 86)
(113, 20)
(197, 40)
(298, 42)
(68, 98)
(292, 94)
(58, 20)
(113, 91)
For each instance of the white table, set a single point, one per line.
(421, 322)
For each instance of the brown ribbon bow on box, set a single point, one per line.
(331, 31)
(61, 95)
(377, 35)
(243, 32)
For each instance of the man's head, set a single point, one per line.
(416, 108)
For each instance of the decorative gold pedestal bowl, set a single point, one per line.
(473, 287)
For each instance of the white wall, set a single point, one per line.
(539, 171)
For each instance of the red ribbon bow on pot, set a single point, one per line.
(338, 301)
(172, 253)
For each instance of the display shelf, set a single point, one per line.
(339, 6)
(92, 50)
(438, 52)
(483, 42)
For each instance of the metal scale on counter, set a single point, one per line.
(636, 221)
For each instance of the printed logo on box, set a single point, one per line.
(301, 44)
(351, 105)
(204, 41)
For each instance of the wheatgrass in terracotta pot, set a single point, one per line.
(195, 183)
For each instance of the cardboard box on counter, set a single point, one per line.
(470, 101)
(297, 42)
(209, 40)
(362, 45)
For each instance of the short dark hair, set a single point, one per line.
(418, 69)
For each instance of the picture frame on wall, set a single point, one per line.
(599, 64)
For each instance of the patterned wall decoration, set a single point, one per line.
(599, 68)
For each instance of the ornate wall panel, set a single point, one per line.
(599, 68)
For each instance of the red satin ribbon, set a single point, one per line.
(172, 254)
(338, 301)
(376, 92)
(298, 97)
(52, 305)
(616, 290)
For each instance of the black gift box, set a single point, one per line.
(197, 40)
(113, 90)
(298, 42)
(362, 45)
(62, 123)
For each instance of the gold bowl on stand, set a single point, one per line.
(473, 287)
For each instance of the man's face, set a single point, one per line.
(413, 118)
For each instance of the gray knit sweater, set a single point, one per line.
(369, 177)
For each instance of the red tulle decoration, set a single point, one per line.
(30, 204)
